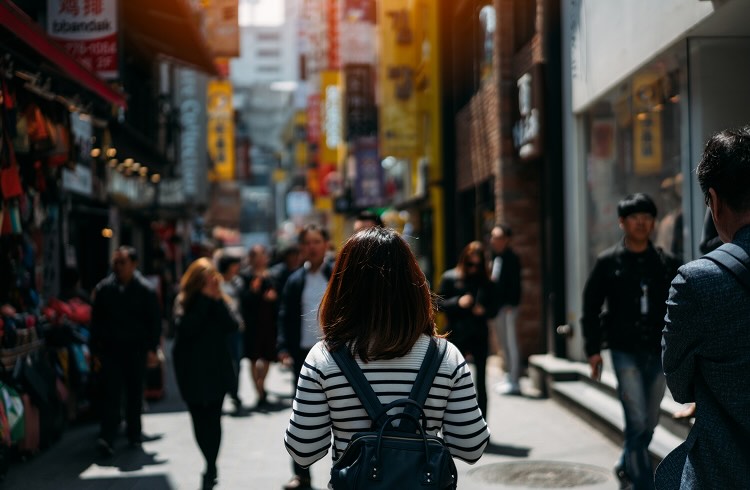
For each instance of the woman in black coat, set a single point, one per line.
(202, 361)
(465, 296)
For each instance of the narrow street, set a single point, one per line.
(533, 433)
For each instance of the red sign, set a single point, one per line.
(87, 29)
(313, 119)
(334, 60)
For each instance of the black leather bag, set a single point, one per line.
(388, 457)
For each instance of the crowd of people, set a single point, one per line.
(373, 300)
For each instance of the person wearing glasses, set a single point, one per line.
(465, 296)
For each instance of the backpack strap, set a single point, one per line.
(359, 383)
(367, 396)
(734, 259)
(430, 366)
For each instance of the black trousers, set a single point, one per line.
(206, 419)
(123, 372)
(478, 347)
(299, 360)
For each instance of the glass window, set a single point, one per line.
(633, 144)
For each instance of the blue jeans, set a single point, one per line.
(640, 385)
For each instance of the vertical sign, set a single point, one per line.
(357, 39)
(331, 112)
(399, 118)
(647, 124)
(220, 130)
(222, 27)
(87, 29)
(333, 13)
(368, 184)
(190, 100)
(359, 103)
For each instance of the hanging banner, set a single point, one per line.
(333, 21)
(357, 41)
(399, 56)
(190, 100)
(368, 183)
(220, 131)
(359, 101)
(331, 116)
(647, 103)
(221, 22)
(87, 29)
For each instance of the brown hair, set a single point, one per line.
(378, 298)
(194, 279)
(473, 250)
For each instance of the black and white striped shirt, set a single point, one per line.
(325, 403)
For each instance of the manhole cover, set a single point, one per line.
(541, 474)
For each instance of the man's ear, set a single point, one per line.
(621, 220)
(715, 203)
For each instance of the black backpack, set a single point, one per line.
(403, 457)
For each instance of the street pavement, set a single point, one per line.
(535, 443)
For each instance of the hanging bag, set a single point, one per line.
(388, 457)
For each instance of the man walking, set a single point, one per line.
(299, 329)
(633, 277)
(125, 331)
(706, 343)
(505, 273)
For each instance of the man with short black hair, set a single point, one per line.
(367, 219)
(298, 327)
(633, 278)
(706, 340)
(125, 332)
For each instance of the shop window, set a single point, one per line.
(633, 144)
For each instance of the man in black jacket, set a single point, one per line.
(125, 332)
(298, 324)
(633, 277)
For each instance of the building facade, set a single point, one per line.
(646, 85)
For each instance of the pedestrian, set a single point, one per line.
(376, 268)
(125, 334)
(366, 219)
(706, 346)
(505, 274)
(259, 312)
(633, 278)
(299, 329)
(465, 296)
(202, 361)
(232, 285)
(290, 262)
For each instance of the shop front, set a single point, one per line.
(639, 122)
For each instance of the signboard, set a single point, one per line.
(87, 29)
(190, 100)
(357, 41)
(220, 130)
(368, 183)
(331, 112)
(527, 132)
(359, 101)
(221, 23)
(399, 56)
(79, 180)
(313, 119)
(647, 151)
(334, 61)
(298, 204)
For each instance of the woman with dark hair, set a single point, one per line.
(202, 361)
(465, 296)
(378, 305)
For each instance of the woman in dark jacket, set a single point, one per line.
(202, 360)
(465, 296)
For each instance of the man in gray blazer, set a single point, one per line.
(706, 340)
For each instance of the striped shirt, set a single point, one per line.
(325, 402)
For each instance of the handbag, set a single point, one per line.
(390, 456)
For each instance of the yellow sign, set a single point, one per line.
(331, 121)
(648, 103)
(220, 131)
(398, 75)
